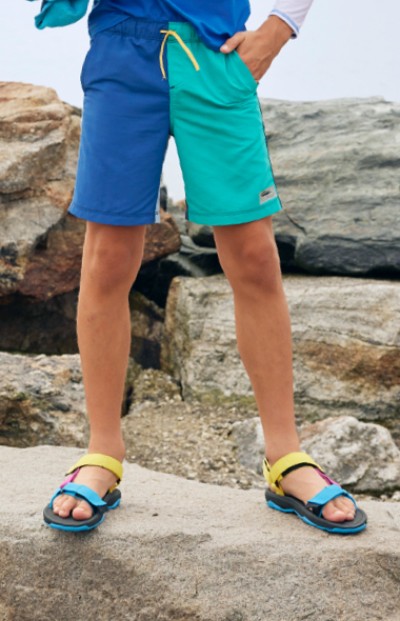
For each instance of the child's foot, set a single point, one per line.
(96, 478)
(305, 482)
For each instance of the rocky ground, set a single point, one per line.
(190, 440)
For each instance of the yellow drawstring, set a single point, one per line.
(183, 46)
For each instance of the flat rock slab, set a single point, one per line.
(182, 550)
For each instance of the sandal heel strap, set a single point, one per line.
(104, 461)
(274, 474)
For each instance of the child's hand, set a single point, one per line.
(258, 48)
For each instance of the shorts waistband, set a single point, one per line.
(144, 29)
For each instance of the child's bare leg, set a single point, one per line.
(250, 261)
(111, 259)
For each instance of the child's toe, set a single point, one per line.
(339, 510)
(67, 506)
(82, 511)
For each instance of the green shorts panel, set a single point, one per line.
(217, 124)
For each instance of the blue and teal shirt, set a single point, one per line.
(214, 20)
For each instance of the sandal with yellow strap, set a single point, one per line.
(100, 506)
(310, 511)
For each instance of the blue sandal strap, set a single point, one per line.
(54, 496)
(79, 491)
(329, 493)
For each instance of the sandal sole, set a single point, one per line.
(288, 505)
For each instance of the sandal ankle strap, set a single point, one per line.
(275, 473)
(98, 459)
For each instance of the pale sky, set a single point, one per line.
(346, 48)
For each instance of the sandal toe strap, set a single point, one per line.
(317, 502)
(79, 491)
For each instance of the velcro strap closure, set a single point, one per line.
(329, 493)
(98, 459)
(84, 492)
(274, 474)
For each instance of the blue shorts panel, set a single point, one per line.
(125, 128)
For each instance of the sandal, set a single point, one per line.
(311, 511)
(110, 500)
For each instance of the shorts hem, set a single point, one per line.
(238, 218)
(107, 218)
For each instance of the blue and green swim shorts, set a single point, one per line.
(145, 81)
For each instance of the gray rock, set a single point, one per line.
(249, 442)
(154, 385)
(361, 456)
(42, 400)
(205, 257)
(199, 339)
(154, 279)
(147, 325)
(185, 551)
(201, 234)
(48, 327)
(39, 138)
(346, 345)
(337, 168)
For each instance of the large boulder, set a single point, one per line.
(346, 345)
(185, 551)
(337, 168)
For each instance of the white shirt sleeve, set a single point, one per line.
(293, 12)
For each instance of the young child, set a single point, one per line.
(187, 69)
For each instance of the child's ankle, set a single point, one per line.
(113, 448)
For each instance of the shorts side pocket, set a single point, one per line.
(248, 76)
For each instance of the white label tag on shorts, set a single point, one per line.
(267, 194)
